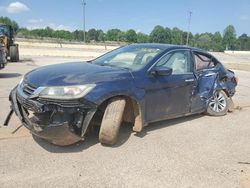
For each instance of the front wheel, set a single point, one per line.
(219, 104)
(111, 121)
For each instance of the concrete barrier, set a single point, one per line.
(237, 52)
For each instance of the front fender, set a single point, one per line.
(105, 91)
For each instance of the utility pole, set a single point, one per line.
(189, 23)
(84, 20)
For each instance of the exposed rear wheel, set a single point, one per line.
(111, 121)
(218, 104)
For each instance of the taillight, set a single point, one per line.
(235, 79)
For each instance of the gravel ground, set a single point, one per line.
(196, 151)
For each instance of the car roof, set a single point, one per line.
(168, 46)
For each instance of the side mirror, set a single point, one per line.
(161, 71)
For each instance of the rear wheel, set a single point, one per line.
(14, 54)
(218, 104)
(111, 121)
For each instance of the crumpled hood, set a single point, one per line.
(78, 73)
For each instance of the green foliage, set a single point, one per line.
(217, 42)
(112, 34)
(229, 37)
(121, 37)
(101, 35)
(142, 38)
(177, 36)
(77, 35)
(92, 35)
(95, 35)
(208, 41)
(62, 34)
(131, 36)
(243, 42)
(168, 34)
(159, 35)
(204, 41)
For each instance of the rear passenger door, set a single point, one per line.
(206, 74)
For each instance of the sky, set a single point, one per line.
(140, 15)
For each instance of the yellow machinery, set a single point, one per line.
(7, 41)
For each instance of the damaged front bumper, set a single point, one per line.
(61, 122)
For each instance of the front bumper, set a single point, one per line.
(59, 122)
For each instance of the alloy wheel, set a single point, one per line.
(218, 102)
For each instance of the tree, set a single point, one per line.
(101, 35)
(217, 42)
(184, 37)
(243, 42)
(229, 37)
(204, 41)
(131, 36)
(121, 37)
(62, 34)
(48, 32)
(112, 34)
(77, 35)
(168, 34)
(195, 39)
(177, 36)
(23, 33)
(142, 38)
(158, 35)
(92, 35)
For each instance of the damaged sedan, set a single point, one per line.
(138, 83)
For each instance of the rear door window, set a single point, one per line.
(203, 62)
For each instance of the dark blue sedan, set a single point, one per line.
(140, 84)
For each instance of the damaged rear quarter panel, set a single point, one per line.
(208, 82)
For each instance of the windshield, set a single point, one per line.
(4, 30)
(131, 57)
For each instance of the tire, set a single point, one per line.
(111, 121)
(14, 54)
(219, 104)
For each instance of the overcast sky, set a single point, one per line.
(141, 15)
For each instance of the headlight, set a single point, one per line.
(65, 92)
(21, 81)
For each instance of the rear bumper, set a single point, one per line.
(53, 121)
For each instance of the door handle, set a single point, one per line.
(189, 80)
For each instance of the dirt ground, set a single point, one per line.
(196, 151)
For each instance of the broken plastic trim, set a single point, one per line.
(57, 124)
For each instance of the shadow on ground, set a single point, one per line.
(90, 140)
(125, 133)
(166, 123)
(25, 60)
(10, 75)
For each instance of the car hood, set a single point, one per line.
(78, 73)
